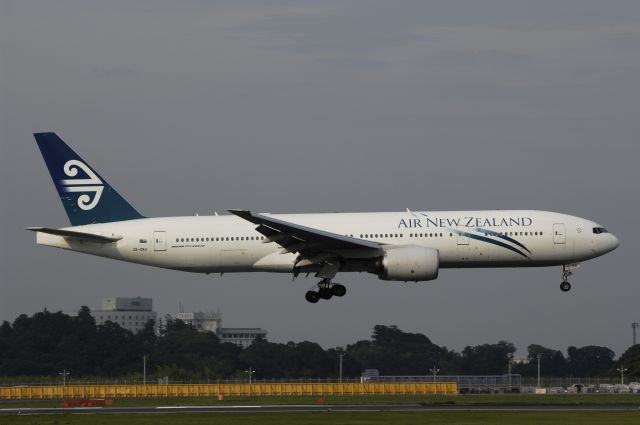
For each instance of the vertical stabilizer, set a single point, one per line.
(86, 196)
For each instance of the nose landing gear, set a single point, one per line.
(326, 290)
(567, 270)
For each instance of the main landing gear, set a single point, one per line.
(326, 290)
(565, 286)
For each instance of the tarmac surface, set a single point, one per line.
(321, 408)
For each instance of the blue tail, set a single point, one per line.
(86, 196)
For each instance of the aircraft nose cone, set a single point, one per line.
(614, 243)
(608, 244)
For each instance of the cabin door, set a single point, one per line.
(559, 235)
(160, 241)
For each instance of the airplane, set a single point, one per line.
(407, 246)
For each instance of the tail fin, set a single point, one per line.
(86, 196)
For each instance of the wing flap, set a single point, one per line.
(77, 234)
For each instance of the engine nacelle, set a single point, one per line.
(409, 263)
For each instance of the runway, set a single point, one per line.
(322, 408)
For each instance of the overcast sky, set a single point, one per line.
(199, 106)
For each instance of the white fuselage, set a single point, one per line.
(221, 244)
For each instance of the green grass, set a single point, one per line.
(337, 418)
(574, 399)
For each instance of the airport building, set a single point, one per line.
(243, 337)
(204, 322)
(131, 313)
(212, 322)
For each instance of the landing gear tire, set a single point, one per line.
(312, 296)
(325, 293)
(338, 290)
(565, 286)
(325, 290)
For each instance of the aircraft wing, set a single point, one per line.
(92, 237)
(308, 241)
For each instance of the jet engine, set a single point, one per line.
(408, 263)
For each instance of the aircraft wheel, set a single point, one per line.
(325, 293)
(312, 296)
(565, 286)
(338, 290)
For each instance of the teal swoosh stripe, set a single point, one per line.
(505, 237)
(492, 241)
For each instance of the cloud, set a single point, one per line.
(482, 57)
(113, 72)
(629, 42)
(340, 29)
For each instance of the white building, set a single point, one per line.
(212, 322)
(130, 313)
(243, 337)
(205, 322)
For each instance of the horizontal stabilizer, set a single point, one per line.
(77, 235)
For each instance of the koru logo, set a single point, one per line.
(93, 184)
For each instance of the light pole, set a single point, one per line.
(64, 374)
(510, 363)
(539, 356)
(144, 369)
(250, 372)
(435, 371)
(634, 326)
(341, 354)
(622, 370)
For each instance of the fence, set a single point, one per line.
(510, 383)
(212, 390)
(488, 380)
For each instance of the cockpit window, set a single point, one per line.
(598, 230)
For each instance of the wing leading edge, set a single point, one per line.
(315, 246)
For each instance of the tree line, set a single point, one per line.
(46, 343)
